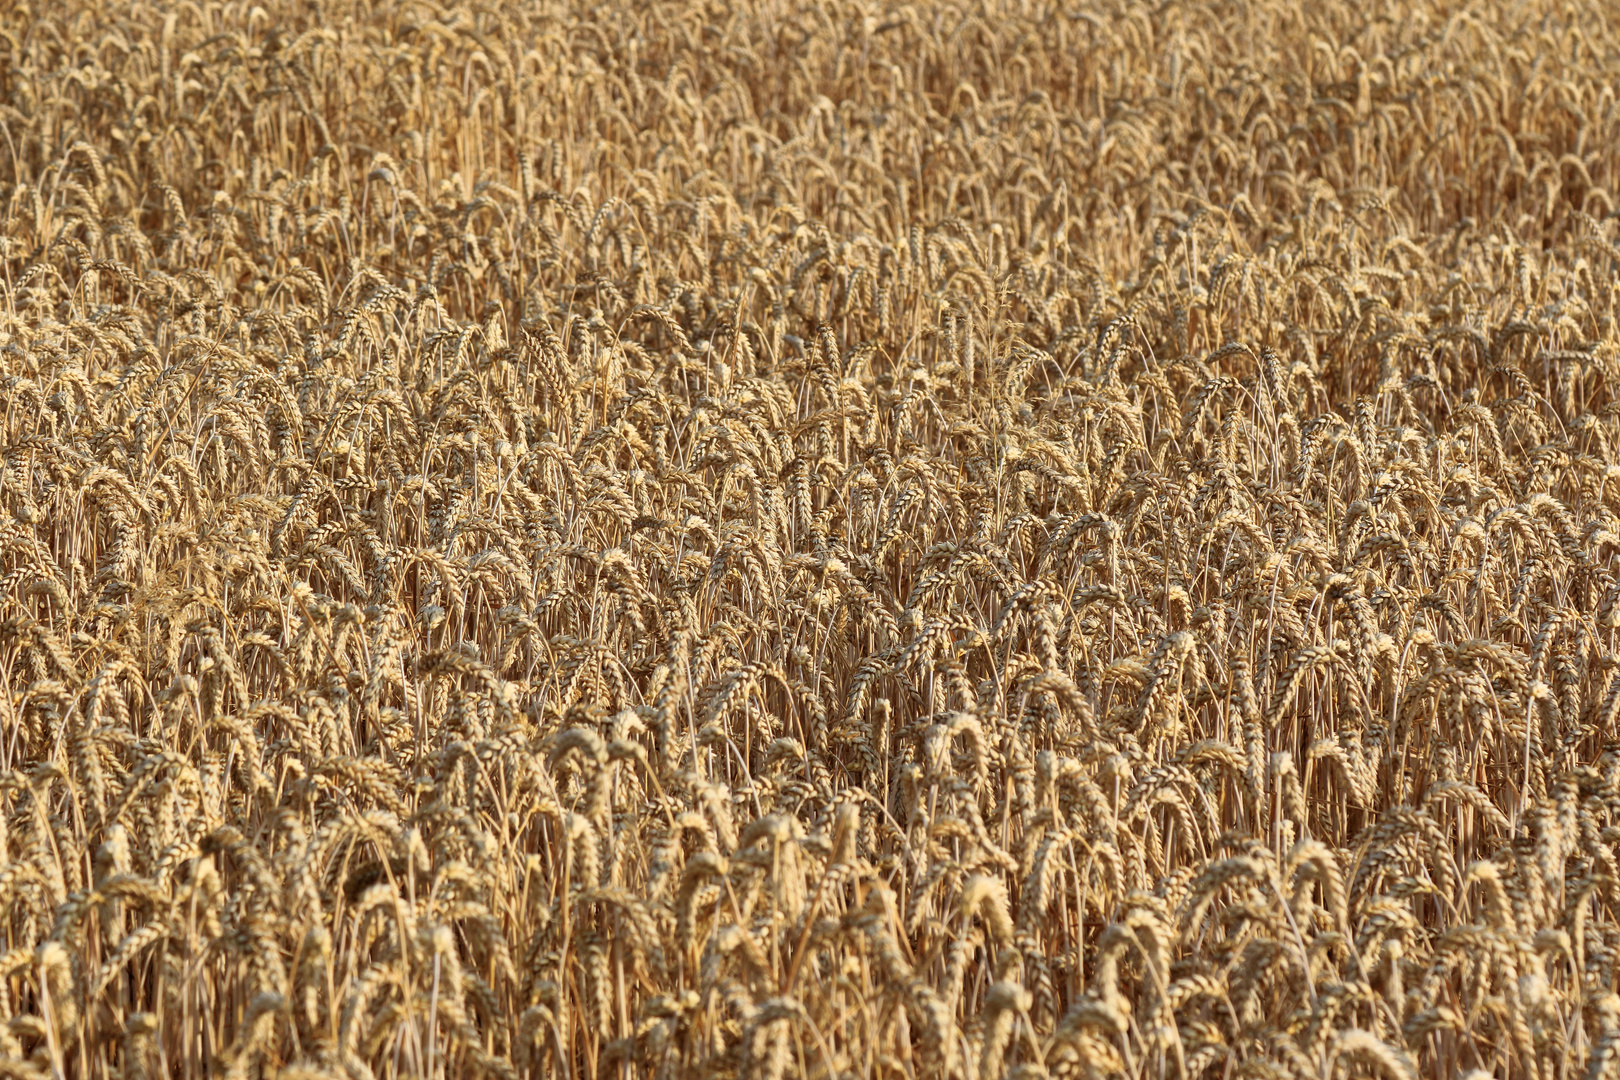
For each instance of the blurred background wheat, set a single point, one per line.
(663, 540)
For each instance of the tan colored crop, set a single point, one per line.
(847, 541)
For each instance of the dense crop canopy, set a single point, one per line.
(671, 540)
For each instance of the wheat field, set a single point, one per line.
(984, 540)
